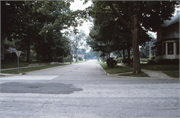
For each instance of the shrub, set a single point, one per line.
(169, 61)
(126, 60)
(80, 58)
(144, 60)
(151, 62)
(111, 62)
(119, 59)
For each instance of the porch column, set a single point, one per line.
(166, 48)
(174, 49)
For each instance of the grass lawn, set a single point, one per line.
(13, 64)
(114, 70)
(23, 70)
(130, 74)
(172, 73)
(158, 67)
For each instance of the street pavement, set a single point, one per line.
(85, 91)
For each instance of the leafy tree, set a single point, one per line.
(147, 14)
(137, 15)
(117, 38)
(36, 25)
(77, 40)
(145, 49)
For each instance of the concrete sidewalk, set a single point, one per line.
(152, 74)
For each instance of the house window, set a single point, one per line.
(170, 48)
(159, 50)
(164, 48)
(177, 47)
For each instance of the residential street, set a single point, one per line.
(83, 90)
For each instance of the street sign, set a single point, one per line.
(18, 53)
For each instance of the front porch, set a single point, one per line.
(167, 49)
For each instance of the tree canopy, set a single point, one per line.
(137, 16)
(38, 25)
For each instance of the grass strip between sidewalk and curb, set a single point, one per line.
(115, 69)
(23, 70)
(139, 75)
(172, 73)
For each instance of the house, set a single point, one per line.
(167, 45)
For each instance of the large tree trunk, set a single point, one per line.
(37, 56)
(49, 58)
(128, 50)
(28, 52)
(37, 51)
(135, 45)
(124, 55)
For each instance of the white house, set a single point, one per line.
(167, 45)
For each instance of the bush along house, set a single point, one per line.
(167, 45)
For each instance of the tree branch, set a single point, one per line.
(126, 12)
(141, 5)
(116, 14)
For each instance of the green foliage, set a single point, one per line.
(115, 70)
(80, 58)
(117, 38)
(126, 60)
(76, 41)
(111, 62)
(119, 59)
(144, 50)
(13, 64)
(36, 26)
(144, 60)
(131, 16)
(172, 73)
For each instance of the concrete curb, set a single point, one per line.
(5, 75)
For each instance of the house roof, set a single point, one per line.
(173, 20)
(172, 35)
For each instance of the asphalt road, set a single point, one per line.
(84, 91)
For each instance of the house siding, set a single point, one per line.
(167, 42)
